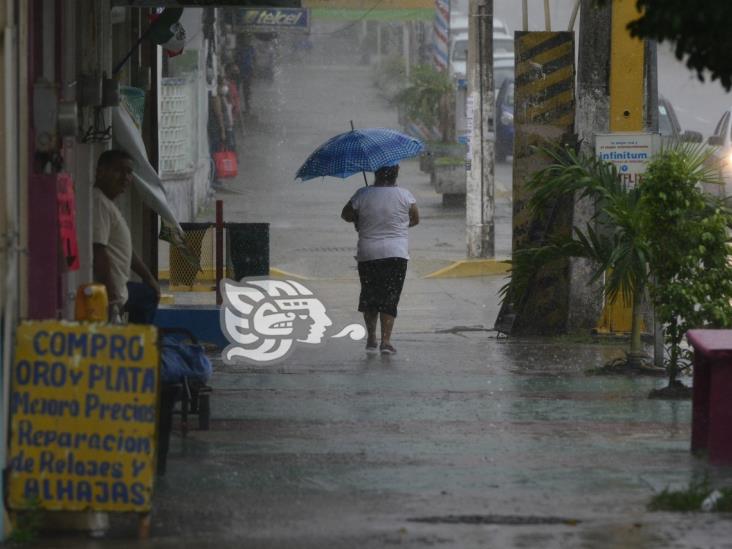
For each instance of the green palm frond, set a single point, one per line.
(613, 240)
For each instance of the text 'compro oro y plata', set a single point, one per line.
(84, 409)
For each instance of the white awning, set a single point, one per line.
(146, 179)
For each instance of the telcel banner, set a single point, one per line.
(274, 18)
(83, 414)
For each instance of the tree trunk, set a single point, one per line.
(673, 365)
(635, 358)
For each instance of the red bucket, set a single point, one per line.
(226, 164)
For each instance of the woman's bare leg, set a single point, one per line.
(370, 318)
(387, 323)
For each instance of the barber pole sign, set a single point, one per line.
(441, 34)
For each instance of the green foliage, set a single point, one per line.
(449, 161)
(689, 246)
(612, 239)
(665, 234)
(690, 499)
(27, 523)
(391, 76)
(698, 30)
(427, 98)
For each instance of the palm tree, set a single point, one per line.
(612, 240)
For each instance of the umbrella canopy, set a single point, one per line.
(363, 150)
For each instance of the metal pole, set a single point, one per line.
(219, 249)
(525, 14)
(547, 16)
(365, 182)
(573, 16)
(407, 47)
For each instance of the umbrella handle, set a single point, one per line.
(365, 182)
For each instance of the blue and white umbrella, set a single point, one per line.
(363, 150)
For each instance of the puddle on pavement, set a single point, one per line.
(504, 520)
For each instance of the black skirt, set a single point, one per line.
(381, 284)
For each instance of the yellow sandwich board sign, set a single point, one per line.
(83, 415)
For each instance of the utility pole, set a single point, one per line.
(593, 116)
(480, 188)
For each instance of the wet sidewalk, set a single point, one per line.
(336, 448)
(460, 440)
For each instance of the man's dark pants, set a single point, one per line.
(142, 303)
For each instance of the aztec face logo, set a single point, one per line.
(262, 319)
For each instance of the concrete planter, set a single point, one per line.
(440, 150)
(449, 178)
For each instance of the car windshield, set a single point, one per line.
(503, 45)
(500, 74)
(664, 121)
(460, 50)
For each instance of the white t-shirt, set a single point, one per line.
(110, 229)
(383, 222)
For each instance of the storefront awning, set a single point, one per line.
(146, 180)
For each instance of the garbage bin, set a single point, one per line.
(247, 249)
(712, 405)
(196, 264)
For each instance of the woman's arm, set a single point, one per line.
(348, 214)
(413, 215)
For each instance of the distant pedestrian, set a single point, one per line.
(382, 215)
(228, 115)
(233, 81)
(245, 60)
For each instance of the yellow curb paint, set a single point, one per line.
(279, 273)
(203, 278)
(473, 267)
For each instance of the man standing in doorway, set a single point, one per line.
(112, 241)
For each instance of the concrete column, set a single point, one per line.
(479, 200)
(593, 112)
(9, 245)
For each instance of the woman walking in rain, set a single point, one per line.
(382, 215)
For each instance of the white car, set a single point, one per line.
(459, 24)
(503, 57)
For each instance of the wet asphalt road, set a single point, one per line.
(460, 440)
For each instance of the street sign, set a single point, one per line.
(83, 409)
(204, 3)
(273, 18)
(629, 152)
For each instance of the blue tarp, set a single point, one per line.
(183, 360)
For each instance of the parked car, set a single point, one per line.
(459, 24)
(669, 127)
(504, 120)
(721, 141)
(503, 56)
